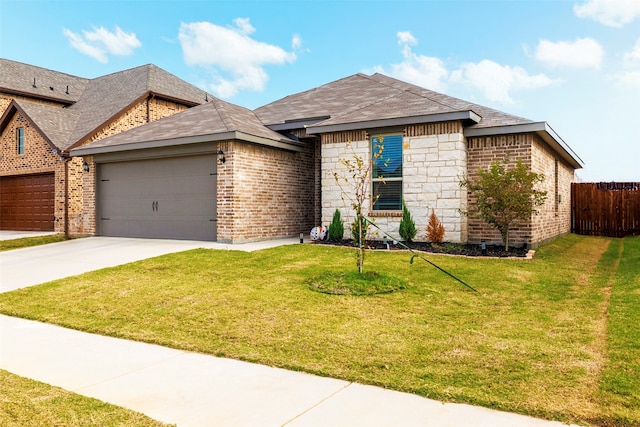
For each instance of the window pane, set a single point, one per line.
(20, 140)
(389, 165)
(389, 195)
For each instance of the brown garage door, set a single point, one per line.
(26, 202)
(169, 198)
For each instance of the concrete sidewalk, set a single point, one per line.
(191, 389)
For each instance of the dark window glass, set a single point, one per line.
(20, 140)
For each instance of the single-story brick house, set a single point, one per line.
(44, 114)
(142, 153)
(222, 172)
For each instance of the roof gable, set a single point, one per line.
(91, 103)
(215, 120)
(50, 121)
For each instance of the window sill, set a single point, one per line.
(385, 213)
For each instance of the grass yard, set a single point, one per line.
(555, 337)
(31, 403)
(25, 242)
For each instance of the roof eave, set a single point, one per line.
(59, 100)
(296, 124)
(198, 139)
(468, 115)
(542, 129)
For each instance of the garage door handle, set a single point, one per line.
(154, 206)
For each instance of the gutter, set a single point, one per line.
(542, 129)
(468, 115)
(285, 144)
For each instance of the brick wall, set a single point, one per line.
(434, 157)
(264, 192)
(482, 151)
(38, 157)
(554, 217)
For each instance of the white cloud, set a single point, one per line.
(405, 37)
(100, 43)
(632, 58)
(613, 13)
(628, 80)
(581, 53)
(236, 60)
(421, 70)
(296, 41)
(496, 81)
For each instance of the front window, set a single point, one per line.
(387, 172)
(20, 140)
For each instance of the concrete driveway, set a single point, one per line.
(31, 266)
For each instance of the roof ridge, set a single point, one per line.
(414, 92)
(221, 109)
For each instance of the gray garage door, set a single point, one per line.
(170, 198)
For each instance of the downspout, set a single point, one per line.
(66, 160)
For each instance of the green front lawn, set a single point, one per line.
(25, 242)
(538, 338)
(31, 403)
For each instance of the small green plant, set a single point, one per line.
(435, 229)
(336, 228)
(407, 225)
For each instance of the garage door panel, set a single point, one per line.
(27, 202)
(160, 198)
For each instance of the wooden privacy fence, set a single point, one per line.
(605, 209)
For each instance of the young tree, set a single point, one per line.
(504, 196)
(355, 187)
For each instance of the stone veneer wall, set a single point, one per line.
(434, 157)
(264, 192)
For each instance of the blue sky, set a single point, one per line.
(572, 63)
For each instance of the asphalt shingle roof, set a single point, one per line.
(93, 102)
(18, 78)
(213, 118)
(360, 98)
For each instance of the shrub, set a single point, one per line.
(435, 229)
(336, 228)
(407, 229)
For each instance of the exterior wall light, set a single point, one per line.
(221, 158)
(85, 166)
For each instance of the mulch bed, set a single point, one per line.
(466, 249)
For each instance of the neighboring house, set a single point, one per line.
(222, 172)
(44, 114)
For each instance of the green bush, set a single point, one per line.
(336, 229)
(407, 225)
